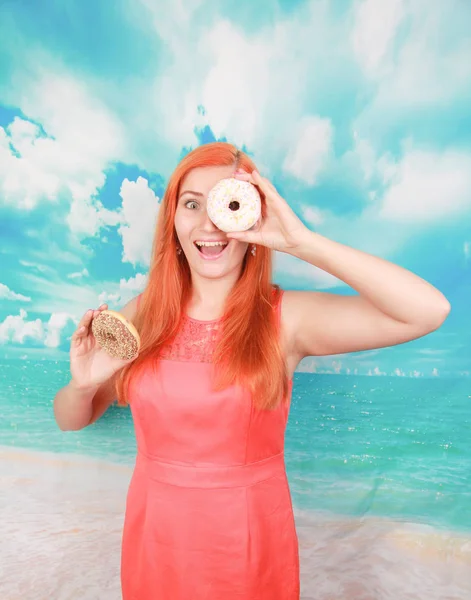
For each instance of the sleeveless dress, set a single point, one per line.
(208, 511)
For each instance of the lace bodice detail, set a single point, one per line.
(195, 342)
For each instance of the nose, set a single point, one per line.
(207, 224)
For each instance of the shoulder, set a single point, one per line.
(288, 302)
(292, 310)
(129, 310)
(296, 306)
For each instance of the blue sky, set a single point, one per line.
(359, 112)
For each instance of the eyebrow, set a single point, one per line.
(191, 192)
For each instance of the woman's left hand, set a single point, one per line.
(280, 229)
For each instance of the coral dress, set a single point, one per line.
(209, 514)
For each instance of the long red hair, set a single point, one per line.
(248, 350)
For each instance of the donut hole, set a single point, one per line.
(234, 205)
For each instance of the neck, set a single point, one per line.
(208, 296)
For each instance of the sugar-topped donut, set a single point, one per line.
(234, 205)
(116, 335)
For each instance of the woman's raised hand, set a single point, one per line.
(90, 365)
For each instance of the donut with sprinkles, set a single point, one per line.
(116, 335)
(234, 205)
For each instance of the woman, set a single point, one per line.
(208, 512)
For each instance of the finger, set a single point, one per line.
(84, 324)
(243, 176)
(79, 334)
(250, 179)
(250, 237)
(86, 319)
(97, 311)
(257, 225)
(123, 363)
(263, 183)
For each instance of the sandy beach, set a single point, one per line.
(63, 517)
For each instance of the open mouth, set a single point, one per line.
(211, 250)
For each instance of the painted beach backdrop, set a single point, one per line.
(358, 111)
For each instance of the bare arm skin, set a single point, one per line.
(91, 389)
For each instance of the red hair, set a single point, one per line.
(248, 351)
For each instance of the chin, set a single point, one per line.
(215, 271)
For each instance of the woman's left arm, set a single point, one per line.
(393, 305)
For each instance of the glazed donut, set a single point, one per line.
(234, 205)
(116, 335)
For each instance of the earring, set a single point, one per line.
(254, 250)
(179, 250)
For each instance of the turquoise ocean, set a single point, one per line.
(392, 447)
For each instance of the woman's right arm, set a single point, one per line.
(91, 389)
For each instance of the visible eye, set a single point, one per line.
(192, 204)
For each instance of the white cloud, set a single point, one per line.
(87, 216)
(233, 78)
(23, 182)
(55, 253)
(82, 138)
(84, 127)
(171, 21)
(310, 149)
(139, 213)
(337, 366)
(59, 327)
(17, 329)
(350, 371)
(421, 187)
(428, 186)
(39, 267)
(363, 160)
(241, 76)
(423, 64)
(312, 215)
(324, 365)
(228, 91)
(8, 294)
(375, 26)
(305, 273)
(127, 289)
(362, 156)
(432, 67)
(307, 365)
(376, 372)
(79, 274)
(61, 295)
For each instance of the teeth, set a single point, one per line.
(211, 243)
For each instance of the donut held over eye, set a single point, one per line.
(116, 335)
(234, 205)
